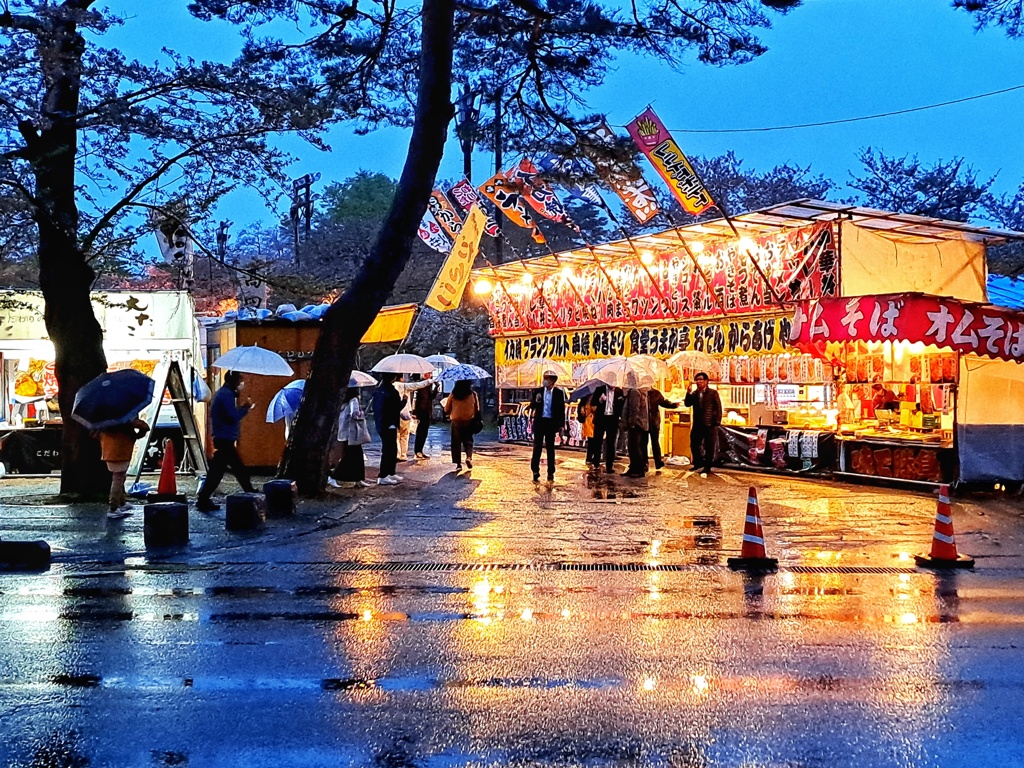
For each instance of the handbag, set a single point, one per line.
(358, 433)
(477, 424)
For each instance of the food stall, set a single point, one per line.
(735, 292)
(140, 330)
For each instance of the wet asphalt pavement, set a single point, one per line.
(479, 620)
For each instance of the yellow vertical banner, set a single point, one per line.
(446, 293)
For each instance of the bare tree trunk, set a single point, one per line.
(305, 459)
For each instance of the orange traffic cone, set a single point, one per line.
(168, 484)
(752, 555)
(944, 554)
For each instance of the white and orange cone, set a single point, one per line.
(944, 554)
(752, 554)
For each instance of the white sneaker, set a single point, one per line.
(387, 480)
(116, 514)
(364, 484)
(399, 478)
(333, 483)
(704, 474)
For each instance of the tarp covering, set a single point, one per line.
(990, 394)
(968, 328)
(391, 324)
(872, 263)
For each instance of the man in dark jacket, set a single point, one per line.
(548, 407)
(226, 416)
(608, 402)
(423, 411)
(387, 412)
(655, 402)
(707, 415)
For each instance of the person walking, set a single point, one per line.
(635, 419)
(226, 416)
(117, 444)
(353, 435)
(387, 413)
(462, 407)
(655, 402)
(423, 412)
(608, 402)
(548, 407)
(707, 416)
(405, 390)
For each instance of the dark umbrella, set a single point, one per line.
(113, 398)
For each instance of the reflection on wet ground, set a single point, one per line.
(488, 621)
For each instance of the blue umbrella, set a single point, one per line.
(285, 403)
(113, 398)
(463, 372)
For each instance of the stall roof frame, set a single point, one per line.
(758, 223)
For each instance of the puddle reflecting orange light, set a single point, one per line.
(908, 618)
(482, 549)
(527, 614)
(700, 683)
(566, 613)
(650, 684)
(367, 615)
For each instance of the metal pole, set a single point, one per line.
(498, 162)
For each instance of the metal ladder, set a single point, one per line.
(169, 377)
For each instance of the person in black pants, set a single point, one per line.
(548, 406)
(423, 410)
(387, 412)
(707, 416)
(225, 417)
(655, 402)
(608, 402)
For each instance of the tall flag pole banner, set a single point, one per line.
(624, 178)
(653, 139)
(446, 293)
(444, 212)
(550, 163)
(537, 193)
(466, 196)
(433, 234)
(504, 194)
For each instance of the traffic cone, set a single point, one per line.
(167, 488)
(752, 555)
(168, 485)
(944, 554)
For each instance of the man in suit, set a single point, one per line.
(548, 407)
(707, 416)
(608, 402)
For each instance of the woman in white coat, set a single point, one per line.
(353, 434)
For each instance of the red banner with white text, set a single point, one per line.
(978, 329)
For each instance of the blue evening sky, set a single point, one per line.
(829, 59)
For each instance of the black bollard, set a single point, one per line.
(159, 498)
(24, 555)
(245, 511)
(281, 497)
(165, 524)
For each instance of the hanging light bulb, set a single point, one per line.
(647, 257)
(696, 247)
(482, 287)
(567, 273)
(747, 243)
(526, 279)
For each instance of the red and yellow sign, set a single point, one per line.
(935, 320)
(800, 264)
(658, 146)
(447, 290)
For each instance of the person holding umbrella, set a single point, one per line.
(353, 435)
(226, 415)
(463, 407)
(109, 406)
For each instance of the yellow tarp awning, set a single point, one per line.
(391, 324)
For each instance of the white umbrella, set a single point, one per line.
(403, 363)
(360, 379)
(256, 360)
(692, 359)
(653, 364)
(590, 368)
(442, 361)
(625, 375)
(532, 371)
